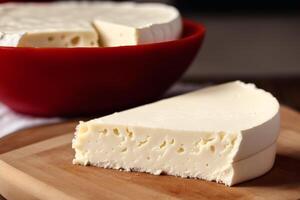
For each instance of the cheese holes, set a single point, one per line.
(221, 135)
(233, 140)
(129, 133)
(163, 145)
(141, 143)
(50, 38)
(75, 40)
(180, 149)
(103, 131)
(205, 141)
(172, 141)
(212, 148)
(116, 131)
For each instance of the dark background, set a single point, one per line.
(254, 41)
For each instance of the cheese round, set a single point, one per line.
(87, 24)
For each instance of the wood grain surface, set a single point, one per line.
(43, 170)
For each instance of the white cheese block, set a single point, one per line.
(87, 24)
(208, 134)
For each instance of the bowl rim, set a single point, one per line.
(198, 30)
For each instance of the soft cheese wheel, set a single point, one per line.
(205, 134)
(87, 24)
(43, 25)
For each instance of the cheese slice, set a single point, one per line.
(87, 24)
(208, 134)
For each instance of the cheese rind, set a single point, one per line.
(203, 134)
(253, 166)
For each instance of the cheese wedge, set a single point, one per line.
(87, 24)
(139, 24)
(213, 134)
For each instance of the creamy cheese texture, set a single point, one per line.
(225, 133)
(87, 24)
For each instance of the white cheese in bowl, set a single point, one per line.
(87, 24)
(45, 25)
(226, 133)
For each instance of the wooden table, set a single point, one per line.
(284, 178)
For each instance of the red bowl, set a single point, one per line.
(84, 81)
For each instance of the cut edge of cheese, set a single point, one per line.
(59, 39)
(112, 31)
(48, 39)
(158, 153)
(112, 34)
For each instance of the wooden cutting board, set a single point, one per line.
(43, 170)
